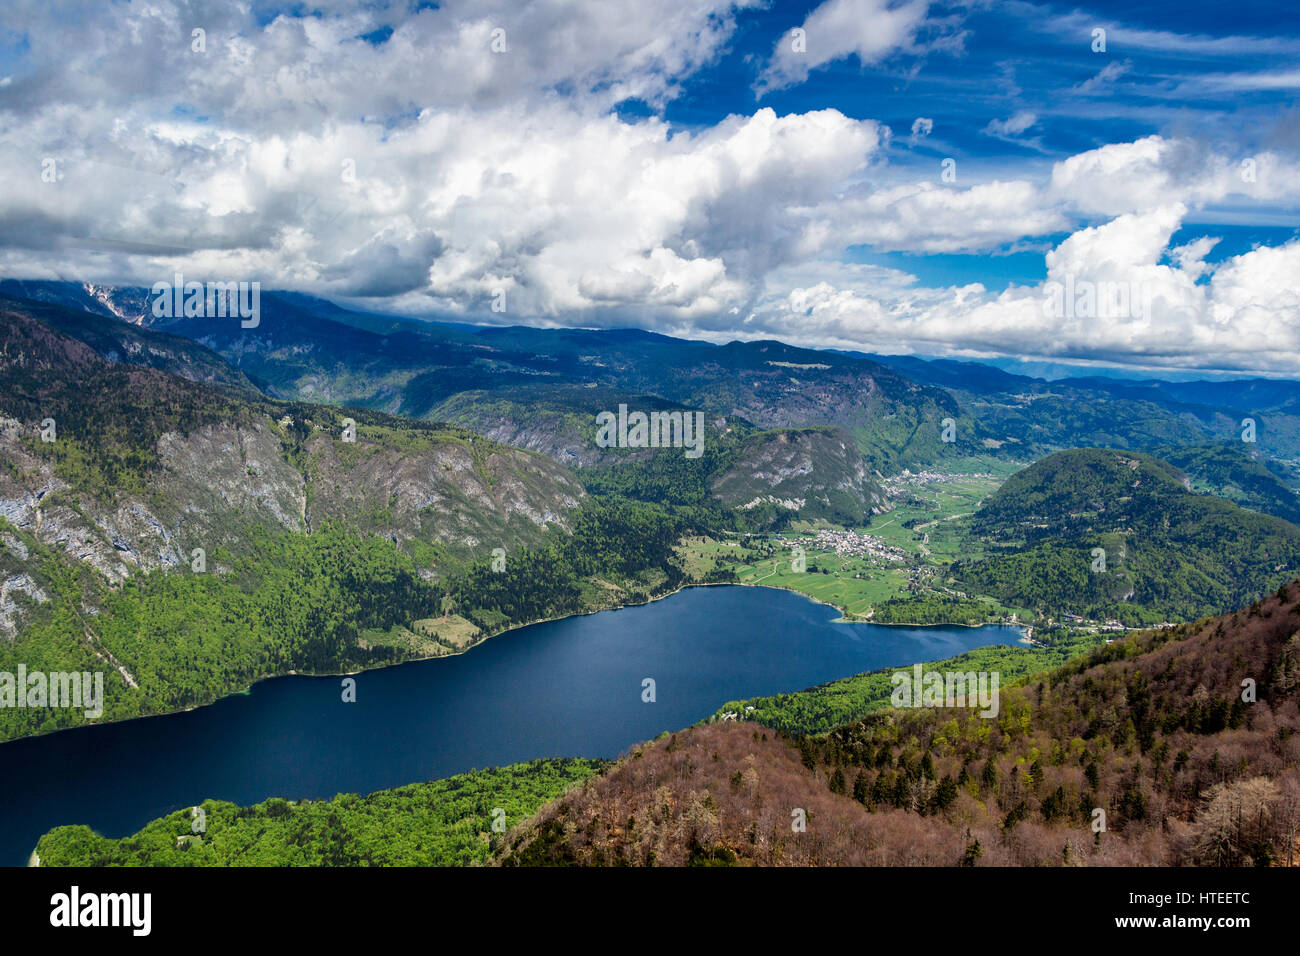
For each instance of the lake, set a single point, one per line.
(570, 688)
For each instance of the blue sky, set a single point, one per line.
(1029, 57)
(710, 168)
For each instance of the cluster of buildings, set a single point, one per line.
(920, 578)
(915, 479)
(851, 544)
(1110, 624)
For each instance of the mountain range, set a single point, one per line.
(187, 459)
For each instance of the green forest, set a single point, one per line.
(821, 709)
(449, 822)
(1109, 534)
(930, 608)
(326, 602)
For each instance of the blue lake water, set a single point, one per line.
(564, 688)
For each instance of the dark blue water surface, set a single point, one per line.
(563, 688)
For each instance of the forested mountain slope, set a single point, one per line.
(189, 540)
(1173, 746)
(1103, 533)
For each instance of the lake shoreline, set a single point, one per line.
(293, 672)
(574, 687)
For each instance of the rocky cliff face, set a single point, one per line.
(457, 488)
(198, 471)
(817, 472)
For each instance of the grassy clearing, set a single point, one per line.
(450, 630)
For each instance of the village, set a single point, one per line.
(907, 478)
(848, 544)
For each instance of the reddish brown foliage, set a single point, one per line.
(1153, 730)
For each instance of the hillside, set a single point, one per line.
(132, 305)
(311, 350)
(1230, 471)
(529, 387)
(445, 822)
(1109, 534)
(1152, 731)
(817, 472)
(761, 477)
(1038, 415)
(121, 343)
(145, 465)
(191, 540)
(557, 421)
